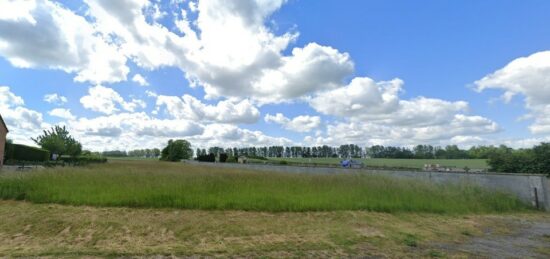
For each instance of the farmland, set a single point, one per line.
(177, 185)
(396, 163)
(150, 208)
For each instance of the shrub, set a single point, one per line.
(207, 158)
(81, 160)
(223, 158)
(17, 152)
(231, 159)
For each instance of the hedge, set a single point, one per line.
(18, 152)
(207, 158)
(82, 160)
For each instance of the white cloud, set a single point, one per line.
(126, 131)
(189, 107)
(55, 99)
(108, 101)
(140, 80)
(372, 113)
(529, 77)
(23, 123)
(302, 123)
(361, 98)
(62, 113)
(227, 135)
(231, 53)
(62, 40)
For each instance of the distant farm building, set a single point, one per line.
(3, 133)
(243, 160)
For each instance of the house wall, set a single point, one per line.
(3, 133)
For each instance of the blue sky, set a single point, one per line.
(277, 72)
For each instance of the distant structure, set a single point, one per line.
(3, 132)
(243, 160)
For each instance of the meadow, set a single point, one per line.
(154, 184)
(394, 163)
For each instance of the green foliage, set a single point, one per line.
(177, 185)
(207, 158)
(83, 160)
(22, 153)
(223, 157)
(529, 161)
(231, 159)
(59, 141)
(176, 150)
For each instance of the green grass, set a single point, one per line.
(404, 163)
(174, 185)
(132, 158)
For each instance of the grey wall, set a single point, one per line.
(521, 185)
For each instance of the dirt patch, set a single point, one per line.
(524, 239)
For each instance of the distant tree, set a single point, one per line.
(59, 141)
(176, 150)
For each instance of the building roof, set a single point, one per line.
(3, 123)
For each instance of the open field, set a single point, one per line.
(131, 158)
(176, 185)
(65, 231)
(405, 163)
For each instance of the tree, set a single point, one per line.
(176, 150)
(59, 141)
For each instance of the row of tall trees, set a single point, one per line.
(281, 151)
(354, 151)
(149, 153)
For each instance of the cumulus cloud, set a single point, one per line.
(529, 77)
(140, 80)
(55, 99)
(227, 135)
(130, 131)
(372, 113)
(23, 123)
(61, 40)
(363, 97)
(62, 113)
(189, 107)
(302, 123)
(228, 49)
(106, 100)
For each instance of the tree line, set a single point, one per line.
(354, 151)
(147, 153)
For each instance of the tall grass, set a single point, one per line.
(394, 162)
(173, 185)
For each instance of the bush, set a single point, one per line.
(80, 160)
(17, 152)
(528, 161)
(283, 162)
(207, 158)
(231, 159)
(223, 158)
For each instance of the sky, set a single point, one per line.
(132, 74)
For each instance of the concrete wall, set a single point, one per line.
(521, 185)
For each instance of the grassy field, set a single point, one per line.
(154, 184)
(408, 163)
(45, 230)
